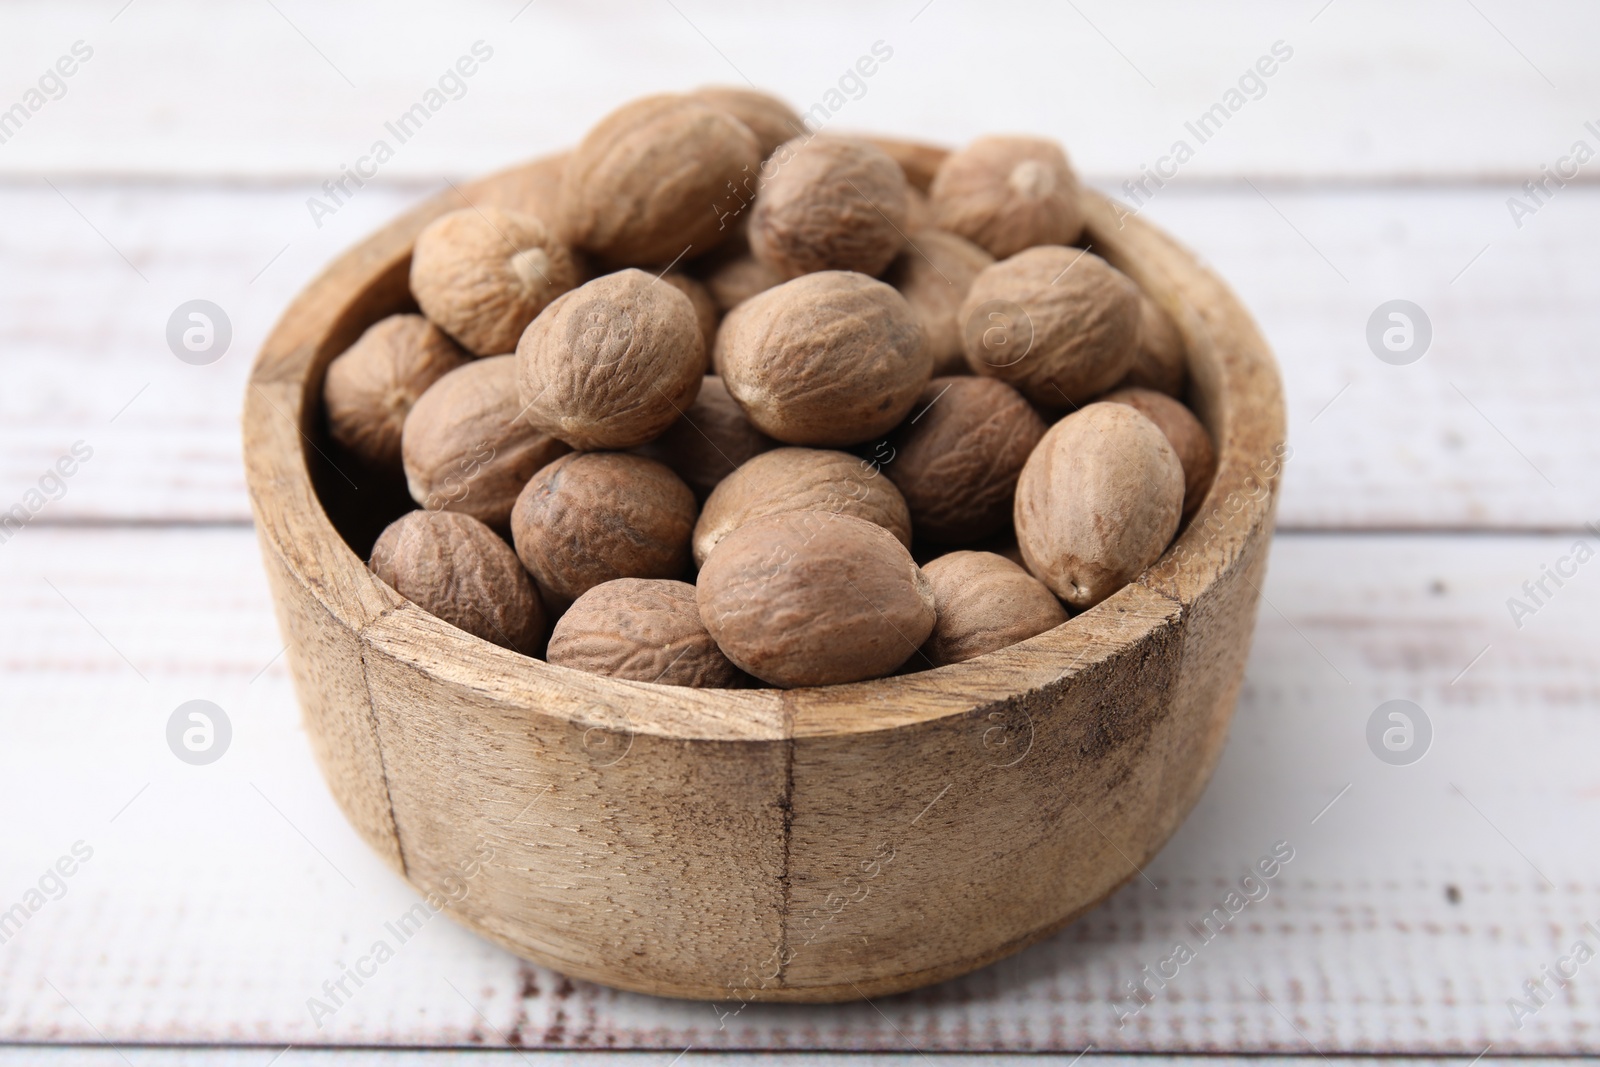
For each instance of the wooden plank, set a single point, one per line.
(1371, 90)
(219, 898)
(1463, 438)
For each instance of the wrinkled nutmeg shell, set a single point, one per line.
(644, 630)
(934, 276)
(711, 440)
(800, 479)
(809, 598)
(645, 184)
(464, 447)
(371, 386)
(770, 119)
(985, 602)
(483, 273)
(591, 517)
(1058, 323)
(833, 358)
(1184, 432)
(1098, 502)
(829, 203)
(453, 566)
(1008, 193)
(957, 464)
(613, 363)
(1159, 362)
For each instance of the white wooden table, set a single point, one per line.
(1376, 164)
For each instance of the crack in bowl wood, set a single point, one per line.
(811, 845)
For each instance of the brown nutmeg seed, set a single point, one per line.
(738, 279)
(1008, 193)
(957, 463)
(1160, 361)
(465, 449)
(770, 119)
(482, 274)
(711, 440)
(643, 185)
(371, 386)
(809, 598)
(644, 630)
(1183, 431)
(985, 602)
(1058, 323)
(590, 517)
(453, 566)
(829, 203)
(1098, 502)
(934, 274)
(613, 363)
(706, 312)
(800, 479)
(833, 358)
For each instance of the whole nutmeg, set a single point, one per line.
(533, 188)
(770, 119)
(482, 274)
(706, 312)
(957, 461)
(1159, 362)
(1007, 194)
(810, 598)
(711, 440)
(829, 203)
(934, 274)
(985, 602)
(590, 517)
(612, 363)
(738, 279)
(832, 358)
(453, 566)
(800, 479)
(1097, 502)
(371, 386)
(1059, 324)
(464, 447)
(1184, 432)
(644, 630)
(643, 185)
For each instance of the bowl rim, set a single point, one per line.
(1235, 390)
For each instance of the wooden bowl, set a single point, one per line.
(811, 845)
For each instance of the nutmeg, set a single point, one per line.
(956, 461)
(800, 479)
(984, 602)
(736, 280)
(1008, 193)
(590, 517)
(1058, 323)
(642, 186)
(371, 386)
(934, 273)
(812, 598)
(770, 119)
(482, 274)
(1097, 502)
(710, 441)
(832, 358)
(613, 363)
(829, 203)
(455, 567)
(464, 447)
(1159, 361)
(644, 630)
(1184, 432)
(706, 312)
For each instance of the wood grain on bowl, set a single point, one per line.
(808, 845)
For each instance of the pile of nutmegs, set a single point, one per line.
(907, 363)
